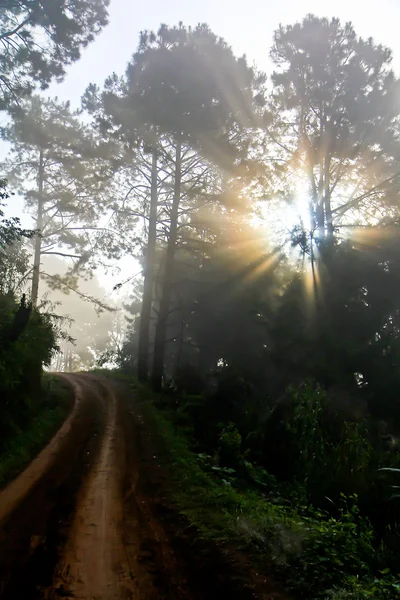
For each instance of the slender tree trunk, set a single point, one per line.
(321, 215)
(329, 220)
(161, 327)
(179, 342)
(145, 316)
(38, 234)
(328, 207)
(320, 218)
(327, 180)
(312, 251)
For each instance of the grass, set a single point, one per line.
(213, 508)
(47, 417)
(114, 374)
(316, 555)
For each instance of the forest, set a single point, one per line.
(264, 215)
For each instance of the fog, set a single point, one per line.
(202, 201)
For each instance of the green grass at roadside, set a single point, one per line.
(47, 416)
(114, 374)
(317, 556)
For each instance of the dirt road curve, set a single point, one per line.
(86, 520)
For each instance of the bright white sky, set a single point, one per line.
(247, 26)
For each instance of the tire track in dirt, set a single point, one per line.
(37, 506)
(116, 549)
(87, 520)
(94, 562)
(159, 574)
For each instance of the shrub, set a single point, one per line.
(307, 442)
(229, 450)
(334, 548)
(312, 550)
(386, 587)
(22, 356)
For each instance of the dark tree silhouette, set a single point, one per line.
(39, 38)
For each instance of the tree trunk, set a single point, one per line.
(321, 184)
(159, 341)
(59, 361)
(38, 234)
(327, 182)
(320, 218)
(328, 207)
(145, 315)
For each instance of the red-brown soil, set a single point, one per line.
(90, 518)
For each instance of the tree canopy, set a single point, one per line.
(334, 115)
(275, 339)
(63, 171)
(39, 38)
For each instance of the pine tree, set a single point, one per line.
(62, 170)
(192, 88)
(39, 38)
(334, 123)
(115, 113)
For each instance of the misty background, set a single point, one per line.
(249, 29)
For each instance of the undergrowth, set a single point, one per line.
(46, 415)
(318, 555)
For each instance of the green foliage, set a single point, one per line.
(329, 88)
(336, 547)
(47, 411)
(230, 445)
(27, 337)
(278, 372)
(305, 429)
(349, 328)
(10, 230)
(14, 269)
(193, 101)
(62, 170)
(394, 487)
(277, 375)
(327, 452)
(24, 349)
(314, 551)
(63, 29)
(384, 587)
(317, 554)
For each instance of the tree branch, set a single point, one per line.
(62, 254)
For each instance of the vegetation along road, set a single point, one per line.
(86, 518)
(210, 243)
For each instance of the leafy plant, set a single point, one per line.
(230, 445)
(393, 487)
(335, 546)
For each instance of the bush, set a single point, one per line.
(47, 413)
(318, 555)
(27, 340)
(229, 451)
(334, 548)
(305, 440)
(323, 555)
(386, 587)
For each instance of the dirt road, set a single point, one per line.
(87, 519)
